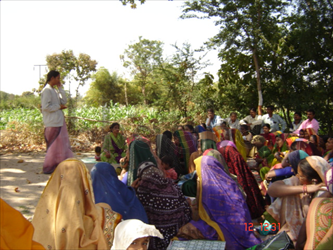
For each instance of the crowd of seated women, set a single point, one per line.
(208, 182)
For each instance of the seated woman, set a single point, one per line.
(16, 231)
(238, 167)
(207, 141)
(186, 145)
(67, 217)
(134, 234)
(110, 190)
(295, 194)
(165, 147)
(225, 220)
(114, 145)
(315, 140)
(247, 137)
(319, 223)
(163, 201)
(139, 151)
(260, 153)
(328, 155)
(289, 165)
(270, 137)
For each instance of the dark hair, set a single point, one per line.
(224, 123)
(167, 160)
(204, 125)
(210, 110)
(181, 127)
(98, 149)
(168, 134)
(302, 130)
(233, 113)
(312, 111)
(253, 109)
(315, 139)
(308, 171)
(244, 126)
(298, 113)
(270, 107)
(267, 125)
(114, 124)
(190, 127)
(52, 73)
(293, 146)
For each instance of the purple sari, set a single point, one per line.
(58, 147)
(223, 202)
(225, 143)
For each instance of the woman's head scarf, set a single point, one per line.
(109, 189)
(295, 157)
(129, 230)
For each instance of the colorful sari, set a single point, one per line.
(165, 147)
(121, 198)
(207, 140)
(237, 138)
(222, 209)
(164, 203)
(16, 231)
(139, 151)
(270, 140)
(290, 211)
(58, 147)
(67, 217)
(238, 167)
(115, 146)
(188, 146)
(219, 132)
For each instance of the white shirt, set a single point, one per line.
(51, 101)
(249, 119)
(233, 124)
(274, 122)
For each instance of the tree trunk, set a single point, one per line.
(126, 99)
(144, 94)
(256, 64)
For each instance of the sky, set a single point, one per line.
(31, 30)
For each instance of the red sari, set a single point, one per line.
(245, 178)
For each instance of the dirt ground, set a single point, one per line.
(21, 184)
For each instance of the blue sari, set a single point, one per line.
(120, 197)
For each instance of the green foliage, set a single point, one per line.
(132, 3)
(26, 100)
(142, 58)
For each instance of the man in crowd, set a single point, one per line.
(297, 122)
(274, 120)
(311, 122)
(212, 119)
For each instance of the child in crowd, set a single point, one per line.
(98, 151)
(247, 136)
(134, 234)
(169, 172)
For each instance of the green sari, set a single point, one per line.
(116, 146)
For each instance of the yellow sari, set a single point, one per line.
(16, 231)
(67, 217)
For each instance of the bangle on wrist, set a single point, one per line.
(305, 191)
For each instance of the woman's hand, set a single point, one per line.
(63, 106)
(277, 156)
(314, 188)
(136, 183)
(270, 175)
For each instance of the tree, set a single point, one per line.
(247, 29)
(142, 58)
(104, 87)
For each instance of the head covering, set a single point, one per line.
(165, 147)
(319, 164)
(207, 140)
(129, 230)
(301, 145)
(139, 151)
(164, 203)
(284, 147)
(245, 178)
(168, 134)
(109, 189)
(217, 155)
(66, 216)
(295, 157)
(199, 129)
(225, 143)
(329, 180)
(188, 145)
(219, 132)
(16, 231)
(227, 216)
(258, 138)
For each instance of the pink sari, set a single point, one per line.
(58, 147)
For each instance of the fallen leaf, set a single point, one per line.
(20, 161)
(28, 181)
(78, 153)
(17, 190)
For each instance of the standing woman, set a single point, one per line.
(114, 145)
(55, 132)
